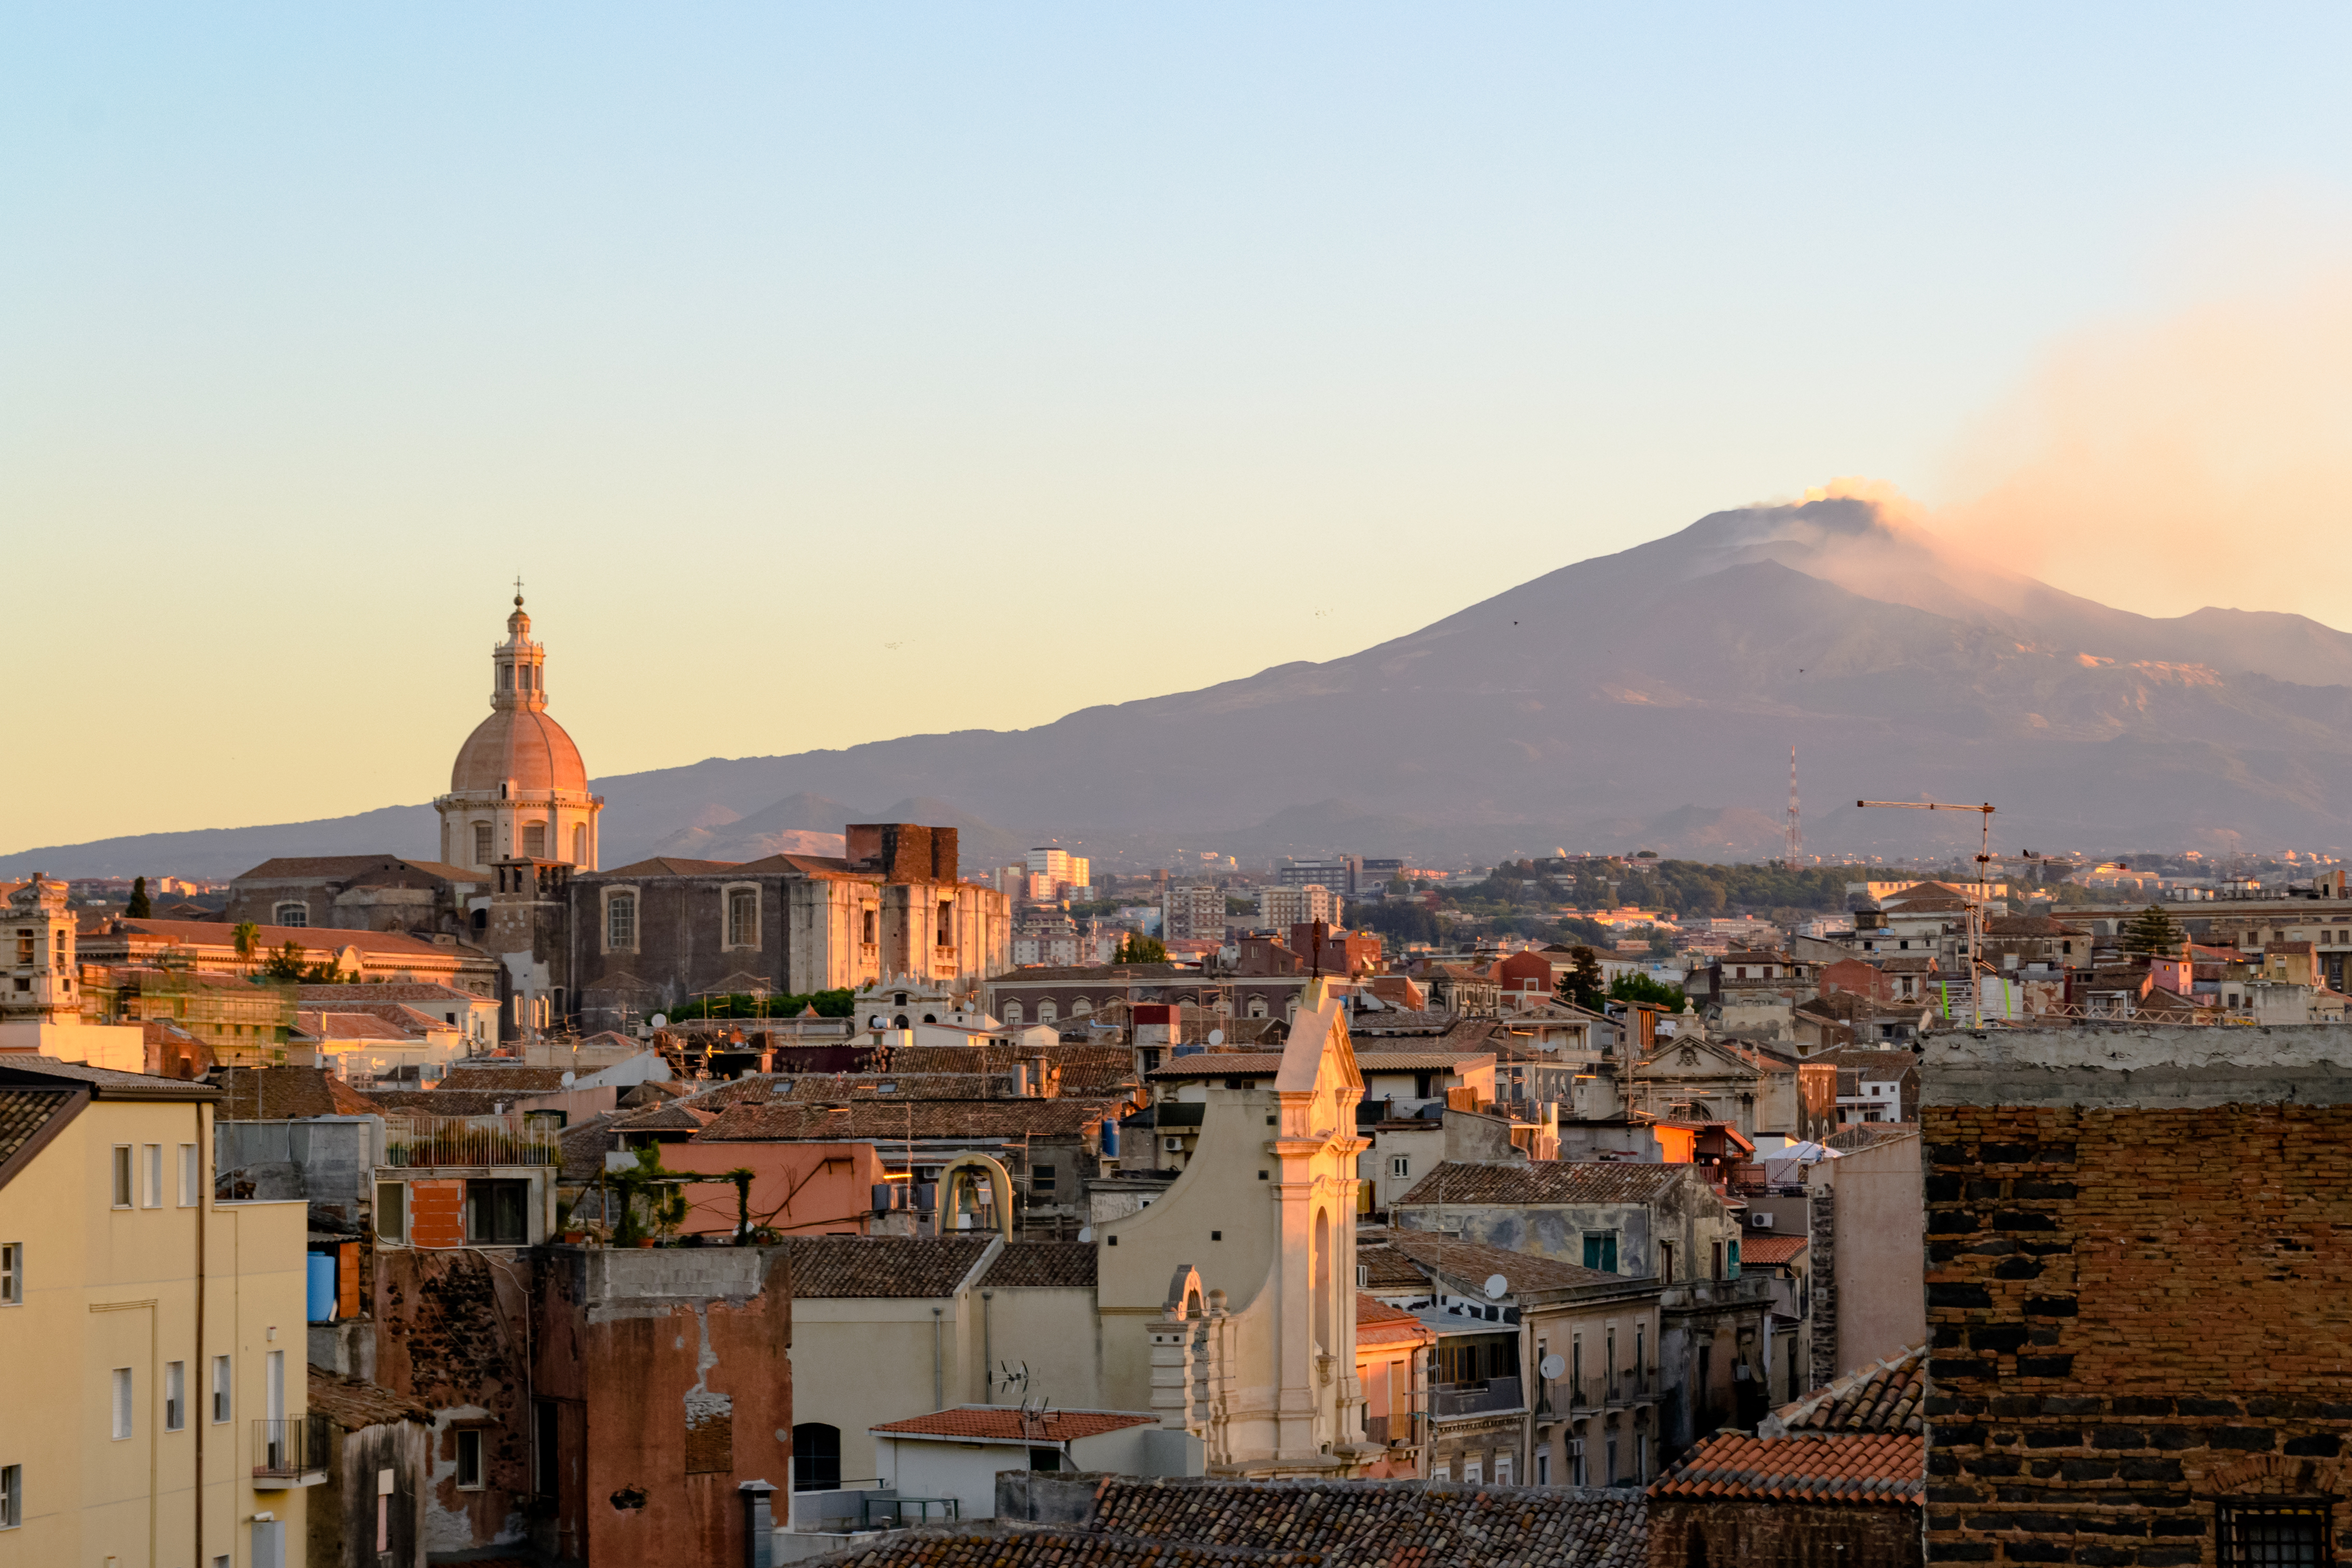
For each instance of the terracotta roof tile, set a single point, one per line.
(884, 1119)
(1547, 1181)
(1043, 1264)
(1381, 1522)
(1885, 1396)
(1009, 1425)
(1469, 1264)
(25, 1112)
(1837, 1467)
(1769, 1250)
(896, 1266)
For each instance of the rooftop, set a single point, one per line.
(1545, 1181)
(1470, 1263)
(917, 1267)
(1884, 1397)
(1006, 1424)
(1848, 1467)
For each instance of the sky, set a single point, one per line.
(830, 373)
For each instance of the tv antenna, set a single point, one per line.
(1975, 910)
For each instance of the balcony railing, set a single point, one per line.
(1449, 1400)
(291, 1448)
(457, 1141)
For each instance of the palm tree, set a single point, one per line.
(248, 938)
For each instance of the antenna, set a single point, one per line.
(1796, 851)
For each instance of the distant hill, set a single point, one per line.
(1646, 699)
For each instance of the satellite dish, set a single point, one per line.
(1498, 1287)
(567, 1080)
(1216, 1037)
(660, 1022)
(1551, 1367)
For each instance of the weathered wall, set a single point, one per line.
(2136, 1245)
(342, 1514)
(451, 1333)
(670, 1371)
(1696, 1532)
(1880, 1307)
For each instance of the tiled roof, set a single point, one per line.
(1009, 1425)
(1885, 1396)
(1383, 1522)
(1377, 1322)
(511, 1076)
(352, 1403)
(920, 1266)
(1769, 1250)
(669, 1116)
(410, 991)
(584, 1145)
(1470, 1263)
(315, 1025)
(1420, 1061)
(1546, 1182)
(303, 866)
(310, 938)
(650, 1092)
(894, 1086)
(284, 1093)
(663, 865)
(23, 1112)
(885, 1119)
(1221, 1064)
(1047, 1264)
(1845, 1466)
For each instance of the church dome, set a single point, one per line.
(521, 745)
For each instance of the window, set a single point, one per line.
(1047, 1460)
(1013, 1013)
(580, 844)
(546, 1473)
(121, 1403)
(534, 841)
(1600, 1251)
(1441, 1473)
(1665, 1262)
(1611, 1472)
(220, 1389)
(1640, 1362)
(742, 917)
(12, 1496)
(175, 1396)
(497, 1213)
(1400, 1166)
(1543, 1467)
(1502, 1470)
(12, 1274)
(621, 921)
(1735, 1260)
(192, 1177)
(122, 1175)
(392, 1210)
(1040, 1179)
(1047, 1012)
(469, 1458)
(816, 1457)
(481, 844)
(152, 1196)
(1472, 1471)
(866, 925)
(2284, 1532)
(1718, 1261)
(947, 923)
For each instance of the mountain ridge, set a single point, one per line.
(1669, 677)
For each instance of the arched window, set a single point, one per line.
(742, 917)
(816, 1457)
(580, 844)
(1081, 1007)
(534, 841)
(899, 1021)
(291, 914)
(1257, 1007)
(1047, 1012)
(1012, 1014)
(621, 921)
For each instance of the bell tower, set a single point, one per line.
(518, 666)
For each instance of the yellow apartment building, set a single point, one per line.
(152, 1348)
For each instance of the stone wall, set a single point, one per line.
(1722, 1532)
(2137, 1248)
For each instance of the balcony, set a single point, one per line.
(431, 1141)
(1490, 1396)
(1404, 1429)
(292, 1452)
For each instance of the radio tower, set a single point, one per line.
(1796, 852)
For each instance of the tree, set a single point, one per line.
(1641, 989)
(1138, 948)
(286, 964)
(2150, 932)
(1582, 985)
(140, 907)
(247, 938)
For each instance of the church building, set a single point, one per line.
(519, 878)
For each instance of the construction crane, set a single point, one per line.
(1975, 910)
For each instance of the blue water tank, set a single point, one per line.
(323, 1288)
(1109, 1139)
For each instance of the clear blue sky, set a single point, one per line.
(836, 373)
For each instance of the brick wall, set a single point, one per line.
(436, 1213)
(2135, 1311)
(1721, 1532)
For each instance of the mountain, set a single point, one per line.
(1643, 699)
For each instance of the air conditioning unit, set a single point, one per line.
(1759, 1222)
